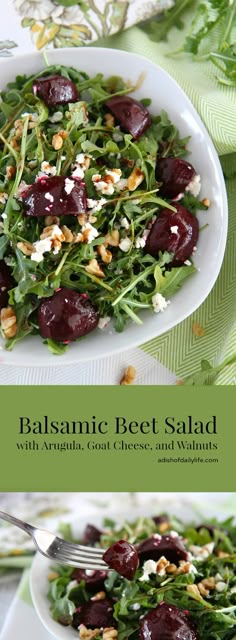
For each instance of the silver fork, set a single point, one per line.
(57, 549)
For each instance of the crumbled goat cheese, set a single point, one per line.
(49, 196)
(117, 137)
(125, 244)
(78, 173)
(218, 578)
(188, 263)
(115, 174)
(140, 243)
(202, 552)
(89, 572)
(23, 187)
(124, 223)
(173, 534)
(91, 232)
(41, 247)
(220, 586)
(69, 185)
(103, 322)
(159, 302)
(135, 607)
(4, 216)
(156, 536)
(149, 567)
(47, 169)
(56, 117)
(3, 198)
(174, 229)
(122, 184)
(194, 186)
(95, 205)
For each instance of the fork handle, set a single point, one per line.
(18, 523)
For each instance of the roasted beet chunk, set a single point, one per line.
(122, 557)
(169, 546)
(67, 315)
(131, 114)
(95, 614)
(167, 622)
(173, 232)
(94, 581)
(55, 90)
(175, 175)
(56, 196)
(91, 535)
(6, 282)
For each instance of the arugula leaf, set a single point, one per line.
(171, 281)
(208, 373)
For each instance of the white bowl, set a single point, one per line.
(184, 508)
(165, 94)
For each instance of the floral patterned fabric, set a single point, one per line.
(69, 23)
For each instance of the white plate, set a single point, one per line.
(182, 505)
(165, 94)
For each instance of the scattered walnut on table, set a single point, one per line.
(128, 376)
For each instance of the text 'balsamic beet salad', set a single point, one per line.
(167, 581)
(97, 205)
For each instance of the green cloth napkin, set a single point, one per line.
(179, 349)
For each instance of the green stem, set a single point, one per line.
(133, 283)
(9, 147)
(61, 263)
(229, 25)
(131, 314)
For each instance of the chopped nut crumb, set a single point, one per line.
(10, 172)
(209, 583)
(94, 268)
(135, 179)
(206, 202)
(104, 253)
(49, 220)
(52, 576)
(100, 595)
(88, 634)
(109, 120)
(26, 248)
(172, 568)
(67, 233)
(109, 633)
(203, 591)
(57, 142)
(161, 566)
(112, 238)
(164, 526)
(129, 375)
(198, 330)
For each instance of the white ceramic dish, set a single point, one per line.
(165, 94)
(184, 509)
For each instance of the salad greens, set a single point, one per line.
(29, 149)
(211, 17)
(212, 549)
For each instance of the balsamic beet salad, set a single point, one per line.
(97, 207)
(166, 581)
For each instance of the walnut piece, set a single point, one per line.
(94, 268)
(109, 633)
(100, 595)
(112, 238)
(136, 177)
(128, 376)
(8, 322)
(88, 634)
(26, 248)
(104, 253)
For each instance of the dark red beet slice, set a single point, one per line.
(95, 614)
(131, 114)
(181, 243)
(175, 175)
(55, 90)
(56, 196)
(122, 557)
(91, 535)
(170, 547)
(167, 622)
(67, 315)
(94, 582)
(6, 282)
